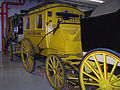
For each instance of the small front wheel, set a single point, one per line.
(27, 54)
(55, 72)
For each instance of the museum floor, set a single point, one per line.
(13, 76)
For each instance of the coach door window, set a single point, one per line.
(39, 21)
(27, 23)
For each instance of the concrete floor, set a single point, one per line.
(13, 76)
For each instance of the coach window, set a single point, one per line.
(27, 23)
(39, 21)
(49, 13)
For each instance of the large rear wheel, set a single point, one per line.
(27, 54)
(55, 72)
(104, 70)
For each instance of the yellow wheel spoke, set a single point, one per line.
(49, 69)
(26, 60)
(57, 64)
(98, 66)
(91, 84)
(58, 82)
(93, 70)
(51, 66)
(24, 46)
(113, 69)
(53, 78)
(91, 76)
(30, 61)
(60, 68)
(24, 52)
(60, 79)
(60, 74)
(114, 81)
(55, 81)
(27, 57)
(105, 66)
(29, 64)
(115, 87)
(51, 61)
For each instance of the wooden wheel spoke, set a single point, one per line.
(105, 66)
(51, 61)
(115, 87)
(23, 52)
(29, 65)
(94, 71)
(60, 75)
(98, 65)
(53, 78)
(26, 60)
(91, 76)
(31, 57)
(49, 69)
(116, 80)
(91, 84)
(30, 62)
(24, 46)
(51, 66)
(59, 68)
(27, 57)
(60, 78)
(58, 81)
(55, 81)
(113, 69)
(57, 64)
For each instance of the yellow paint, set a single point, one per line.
(66, 40)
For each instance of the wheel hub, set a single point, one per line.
(104, 84)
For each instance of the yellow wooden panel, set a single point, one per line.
(67, 38)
